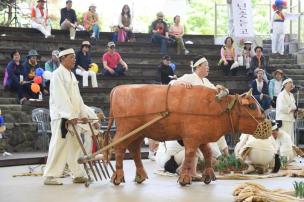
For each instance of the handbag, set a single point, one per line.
(121, 35)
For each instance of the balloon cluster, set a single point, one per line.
(37, 80)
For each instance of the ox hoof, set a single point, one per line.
(117, 179)
(208, 178)
(184, 180)
(139, 179)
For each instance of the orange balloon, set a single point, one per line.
(35, 88)
(37, 79)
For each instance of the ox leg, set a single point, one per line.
(185, 176)
(118, 175)
(134, 149)
(208, 174)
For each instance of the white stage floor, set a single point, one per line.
(156, 189)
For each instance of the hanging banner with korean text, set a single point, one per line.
(242, 18)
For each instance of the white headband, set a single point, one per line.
(200, 61)
(66, 52)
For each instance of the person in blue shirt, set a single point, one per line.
(83, 62)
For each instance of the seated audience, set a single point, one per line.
(40, 19)
(83, 62)
(176, 31)
(91, 21)
(159, 33)
(68, 19)
(260, 89)
(49, 67)
(123, 31)
(14, 76)
(29, 72)
(247, 54)
(164, 72)
(286, 108)
(113, 65)
(275, 85)
(258, 61)
(228, 57)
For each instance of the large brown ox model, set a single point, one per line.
(194, 116)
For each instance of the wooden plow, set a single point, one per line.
(97, 166)
(98, 160)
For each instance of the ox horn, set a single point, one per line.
(249, 93)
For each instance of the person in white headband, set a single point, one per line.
(66, 106)
(200, 70)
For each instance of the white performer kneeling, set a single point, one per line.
(66, 105)
(171, 154)
(258, 154)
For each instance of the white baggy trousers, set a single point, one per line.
(85, 77)
(66, 150)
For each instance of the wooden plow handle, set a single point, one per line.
(88, 158)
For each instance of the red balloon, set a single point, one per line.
(35, 88)
(37, 79)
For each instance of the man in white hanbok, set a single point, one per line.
(198, 78)
(66, 106)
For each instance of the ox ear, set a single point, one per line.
(249, 93)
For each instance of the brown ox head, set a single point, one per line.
(248, 116)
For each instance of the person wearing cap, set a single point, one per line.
(247, 53)
(258, 61)
(29, 72)
(258, 154)
(83, 62)
(113, 64)
(176, 31)
(198, 78)
(13, 76)
(66, 107)
(68, 19)
(164, 72)
(40, 19)
(159, 33)
(50, 67)
(91, 21)
(260, 89)
(275, 85)
(286, 107)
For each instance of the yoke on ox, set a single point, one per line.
(176, 113)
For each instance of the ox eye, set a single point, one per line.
(252, 106)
